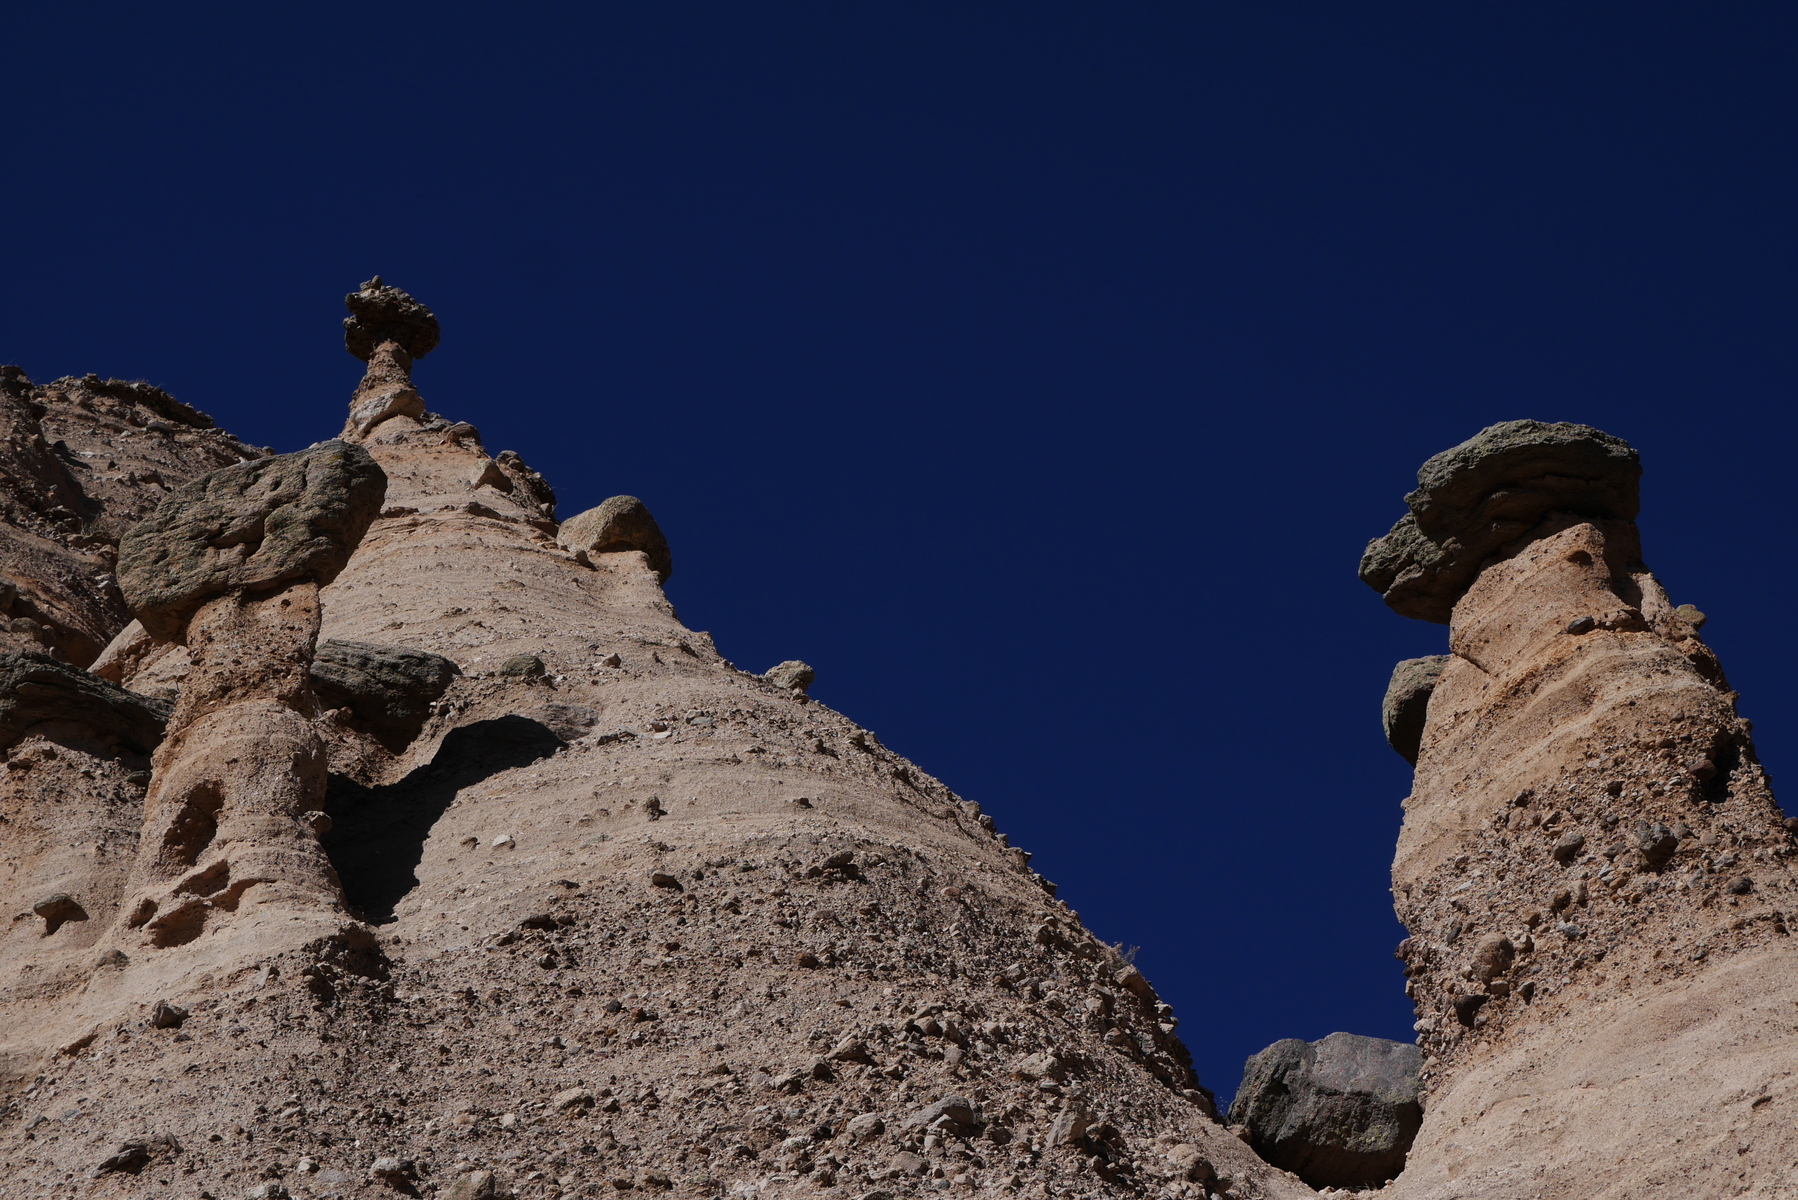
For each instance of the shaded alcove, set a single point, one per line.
(378, 834)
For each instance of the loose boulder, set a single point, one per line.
(621, 523)
(35, 687)
(57, 910)
(1340, 1112)
(390, 687)
(1492, 489)
(256, 525)
(1408, 701)
(793, 675)
(953, 1114)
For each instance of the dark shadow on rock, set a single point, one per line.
(378, 834)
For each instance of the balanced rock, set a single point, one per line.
(1408, 700)
(35, 687)
(1488, 491)
(379, 313)
(57, 909)
(1340, 1112)
(621, 523)
(256, 525)
(390, 687)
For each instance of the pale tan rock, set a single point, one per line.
(234, 779)
(386, 391)
(793, 675)
(144, 664)
(1608, 1053)
(620, 524)
(501, 976)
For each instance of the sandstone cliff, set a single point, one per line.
(469, 870)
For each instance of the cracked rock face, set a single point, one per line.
(1490, 490)
(256, 525)
(1340, 1112)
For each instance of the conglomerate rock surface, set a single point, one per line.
(618, 917)
(1595, 878)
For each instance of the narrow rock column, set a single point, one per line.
(388, 330)
(231, 565)
(1587, 807)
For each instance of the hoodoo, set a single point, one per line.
(462, 868)
(1592, 869)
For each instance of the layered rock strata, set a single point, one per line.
(1592, 868)
(629, 919)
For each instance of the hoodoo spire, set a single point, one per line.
(388, 330)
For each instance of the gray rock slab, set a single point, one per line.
(1474, 498)
(35, 687)
(391, 687)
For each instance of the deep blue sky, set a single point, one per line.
(1035, 371)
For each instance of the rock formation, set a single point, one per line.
(614, 915)
(402, 840)
(793, 675)
(81, 461)
(39, 692)
(230, 566)
(1594, 874)
(1491, 490)
(1340, 1112)
(1408, 701)
(620, 524)
(389, 687)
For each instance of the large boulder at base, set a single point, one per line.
(1340, 1112)
(35, 687)
(379, 313)
(1491, 490)
(258, 524)
(1408, 701)
(621, 523)
(390, 687)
